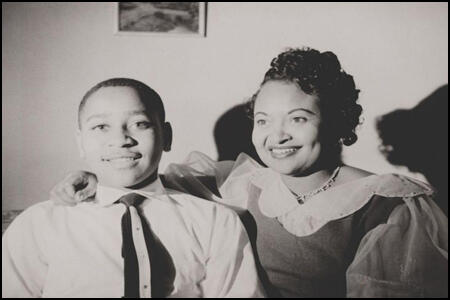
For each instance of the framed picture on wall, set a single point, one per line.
(161, 18)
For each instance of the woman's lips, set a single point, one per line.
(282, 152)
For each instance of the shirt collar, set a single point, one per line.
(108, 195)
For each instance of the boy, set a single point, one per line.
(170, 244)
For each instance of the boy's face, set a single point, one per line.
(121, 142)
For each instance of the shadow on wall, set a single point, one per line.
(233, 134)
(418, 139)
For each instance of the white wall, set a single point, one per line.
(53, 52)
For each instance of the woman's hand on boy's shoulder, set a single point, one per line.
(75, 187)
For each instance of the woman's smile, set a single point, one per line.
(284, 151)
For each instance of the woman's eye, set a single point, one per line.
(299, 119)
(261, 122)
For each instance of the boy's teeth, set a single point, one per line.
(122, 159)
(284, 151)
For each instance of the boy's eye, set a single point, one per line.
(142, 124)
(100, 127)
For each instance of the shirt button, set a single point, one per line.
(137, 228)
(145, 286)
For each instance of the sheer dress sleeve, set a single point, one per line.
(406, 257)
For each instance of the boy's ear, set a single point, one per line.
(80, 144)
(167, 129)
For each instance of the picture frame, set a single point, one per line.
(187, 19)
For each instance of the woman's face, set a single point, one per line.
(286, 128)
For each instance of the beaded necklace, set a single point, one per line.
(302, 198)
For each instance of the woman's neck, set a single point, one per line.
(304, 184)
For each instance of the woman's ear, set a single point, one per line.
(167, 129)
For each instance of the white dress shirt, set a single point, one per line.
(61, 251)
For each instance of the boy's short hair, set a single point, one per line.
(151, 99)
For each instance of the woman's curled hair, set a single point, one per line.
(320, 74)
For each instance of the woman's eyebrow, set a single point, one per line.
(260, 113)
(302, 109)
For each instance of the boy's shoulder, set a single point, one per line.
(33, 218)
(200, 207)
(195, 202)
(41, 215)
(36, 210)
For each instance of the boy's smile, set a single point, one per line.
(122, 160)
(120, 139)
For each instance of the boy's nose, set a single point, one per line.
(121, 138)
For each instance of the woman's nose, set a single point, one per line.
(280, 135)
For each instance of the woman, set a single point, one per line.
(321, 228)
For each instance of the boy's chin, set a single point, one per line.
(123, 182)
(131, 181)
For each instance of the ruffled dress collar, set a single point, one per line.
(277, 201)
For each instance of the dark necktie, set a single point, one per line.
(162, 266)
(131, 265)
